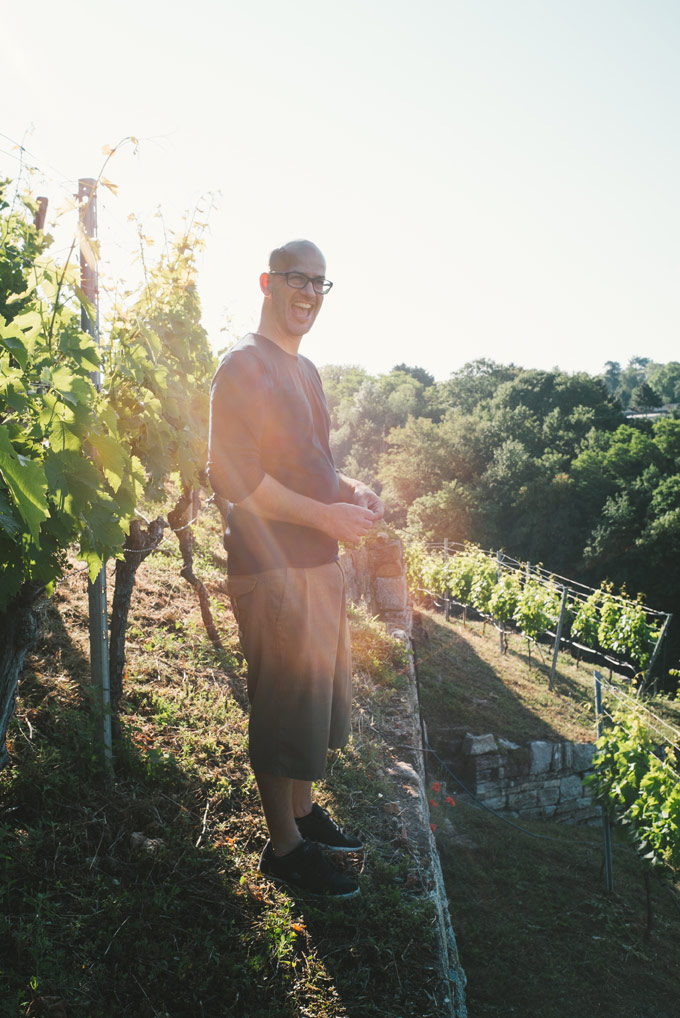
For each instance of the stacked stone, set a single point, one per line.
(540, 780)
(375, 573)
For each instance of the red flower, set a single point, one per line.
(433, 803)
(436, 786)
(433, 827)
(450, 800)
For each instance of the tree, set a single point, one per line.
(645, 398)
(474, 384)
(612, 376)
(364, 421)
(449, 512)
(340, 382)
(665, 379)
(420, 374)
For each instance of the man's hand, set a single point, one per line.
(360, 494)
(363, 496)
(346, 522)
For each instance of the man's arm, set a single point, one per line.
(343, 521)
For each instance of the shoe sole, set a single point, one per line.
(337, 848)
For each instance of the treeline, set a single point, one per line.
(543, 464)
(644, 384)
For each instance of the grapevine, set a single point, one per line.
(603, 622)
(638, 784)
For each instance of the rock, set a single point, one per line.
(583, 753)
(570, 788)
(141, 844)
(390, 594)
(541, 756)
(406, 771)
(390, 569)
(498, 802)
(522, 798)
(549, 793)
(476, 745)
(506, 744)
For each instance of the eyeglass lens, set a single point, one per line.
(298, 280)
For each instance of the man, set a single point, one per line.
(270, 457)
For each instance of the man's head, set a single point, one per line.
(289, 310)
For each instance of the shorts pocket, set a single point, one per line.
(241, 591)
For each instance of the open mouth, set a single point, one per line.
(302, 309)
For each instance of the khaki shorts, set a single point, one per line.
(293, 631)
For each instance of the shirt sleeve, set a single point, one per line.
(238, 401)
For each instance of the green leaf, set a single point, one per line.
(9, 524)
(27, 483)
(73, 388)
(72, 479)
(12, 339)
(80, 348)
(62, 437)
(112, 457)
(94, 562)
(104, 523)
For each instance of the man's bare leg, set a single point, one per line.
(276, 794)
(302, 798)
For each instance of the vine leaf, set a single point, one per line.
(27, 483)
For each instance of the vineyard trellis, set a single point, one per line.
(624, 632)
(76, 461)
(636, 777)
(636, 774)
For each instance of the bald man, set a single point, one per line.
(270, 457)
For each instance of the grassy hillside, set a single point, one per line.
(538, 935)
(144, 898)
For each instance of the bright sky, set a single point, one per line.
(487, 178)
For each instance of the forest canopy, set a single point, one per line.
(576, 471)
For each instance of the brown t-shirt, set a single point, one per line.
(268, 415)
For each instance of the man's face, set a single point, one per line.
(295, 311)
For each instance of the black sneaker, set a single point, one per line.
(306, 868)
(319, 826)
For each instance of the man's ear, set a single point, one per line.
(265, 284)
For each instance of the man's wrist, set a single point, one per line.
(350, 489)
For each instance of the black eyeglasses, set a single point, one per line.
(298, 280)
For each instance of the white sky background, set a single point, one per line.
(487, 178)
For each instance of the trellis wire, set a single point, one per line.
(544, 576)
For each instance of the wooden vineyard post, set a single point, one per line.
(96, 591)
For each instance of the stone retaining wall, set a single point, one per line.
(536, 781)
(375, 573)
